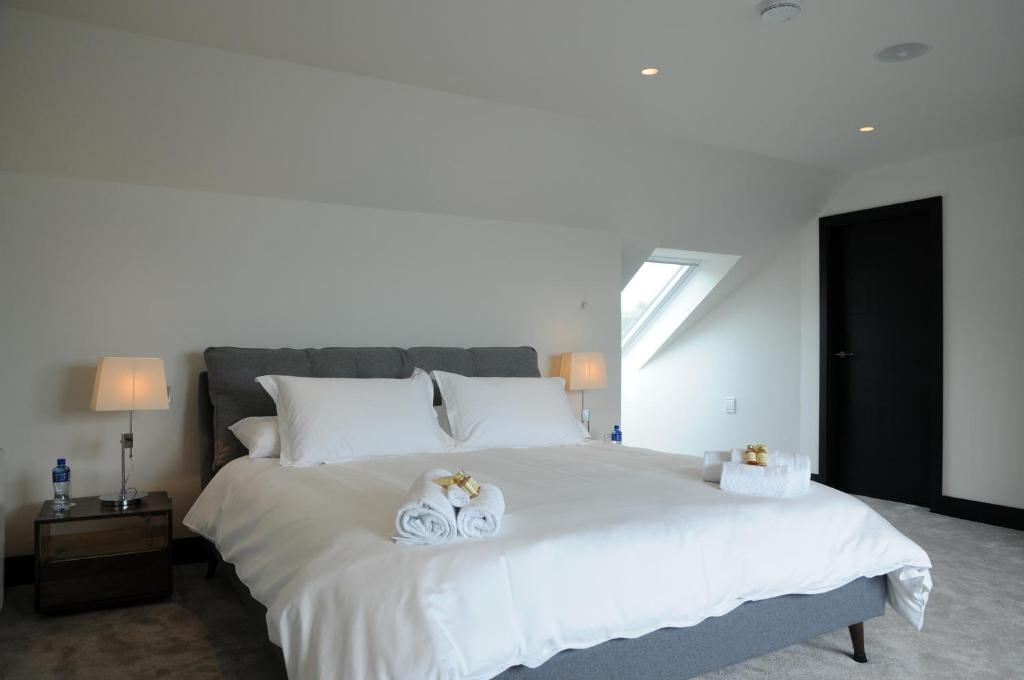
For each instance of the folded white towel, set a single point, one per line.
(799, 470)
(482, 516)
(712, 471)
(753, 480)
(457, 496)
(426, 517)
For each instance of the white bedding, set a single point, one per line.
(599, 542)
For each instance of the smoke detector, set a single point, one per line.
(777, 11)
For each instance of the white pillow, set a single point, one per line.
(326, 420)
(259, 435)
(442, 419)
(486, 413)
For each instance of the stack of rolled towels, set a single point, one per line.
(787, 474)
(433, 514)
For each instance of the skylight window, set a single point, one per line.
(647, 291)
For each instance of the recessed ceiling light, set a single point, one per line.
(901, 52)
(868, 128)
(649, 71)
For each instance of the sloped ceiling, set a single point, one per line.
(82, 101)
(797, 91)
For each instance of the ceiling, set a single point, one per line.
(797, 91)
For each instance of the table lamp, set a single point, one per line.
(584, 371)
(128, 384)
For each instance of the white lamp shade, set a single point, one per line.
(584, 370)
(129, 384)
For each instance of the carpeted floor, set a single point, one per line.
(974, 625)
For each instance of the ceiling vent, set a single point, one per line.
(777, 11)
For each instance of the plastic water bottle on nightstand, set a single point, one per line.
(616, 437)
(61, 487)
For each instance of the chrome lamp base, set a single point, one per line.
(122, 500)
(126, 497)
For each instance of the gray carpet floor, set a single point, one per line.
(974, 626)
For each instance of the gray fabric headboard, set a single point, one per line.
(228, 390)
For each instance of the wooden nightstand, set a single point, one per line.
(94, 556)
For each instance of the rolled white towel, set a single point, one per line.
(426, 517)
(799, 470)
(712, 471)
(754, 480)
(482, 516)
(457, 496)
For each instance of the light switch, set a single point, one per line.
(730, 405)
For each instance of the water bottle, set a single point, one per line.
(616, 435)
(61, 486)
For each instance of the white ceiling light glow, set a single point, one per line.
(868, 128)
(901, 52)
(649, 71)
(777, 11)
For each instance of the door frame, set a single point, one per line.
(931, 210)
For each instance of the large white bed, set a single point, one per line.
(599, 542)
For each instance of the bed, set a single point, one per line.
(613, 562)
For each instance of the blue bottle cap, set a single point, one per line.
(616, 427)
(60, 461)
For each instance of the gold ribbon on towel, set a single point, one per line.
(461, 480)
(756, 454)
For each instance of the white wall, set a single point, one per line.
(983, 308)
(93, 268)
(744, 348)
(107, 265)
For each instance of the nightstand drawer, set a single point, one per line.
(99, 556)
(106, 580)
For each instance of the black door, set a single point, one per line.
(881, 363)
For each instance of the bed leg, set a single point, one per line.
(857, 637)
(211, 561)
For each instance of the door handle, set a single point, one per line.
(844, 354)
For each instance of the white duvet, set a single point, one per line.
(598, 542)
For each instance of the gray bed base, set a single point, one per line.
(750, 630)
